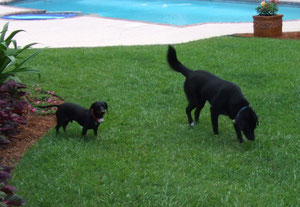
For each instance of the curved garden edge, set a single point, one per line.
(37, 126)
(285, 35)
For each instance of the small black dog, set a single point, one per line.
(89, 119)
(224, 97)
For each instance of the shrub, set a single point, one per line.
(7, 193)
(12, 107)
(9, 56)
(268, 8)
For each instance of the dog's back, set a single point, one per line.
(200, 83)
(72, 112)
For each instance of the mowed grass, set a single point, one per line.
(146, 154)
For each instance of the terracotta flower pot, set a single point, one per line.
(267, 26)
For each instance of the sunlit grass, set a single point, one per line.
(146, 155)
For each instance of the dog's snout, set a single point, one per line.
(250, 136)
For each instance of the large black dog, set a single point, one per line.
(88, 119)
(224, 97)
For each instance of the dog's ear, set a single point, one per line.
(255, 117)
(93, 106)
(105, 106)
(257, 122)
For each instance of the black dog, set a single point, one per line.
(224, 97)
(89, 119)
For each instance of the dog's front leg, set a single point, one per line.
(238, 133)
(84, 131)
(214, 120)
(96, 131)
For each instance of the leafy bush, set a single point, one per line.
(268, 8)
(7, 196)
(9, 66)
(12, 107)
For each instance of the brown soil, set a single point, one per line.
(38, 126)
(285, 35)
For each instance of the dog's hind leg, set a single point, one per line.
(57, 129)
(65, 124)
(189, 110)
(59, 121)
(198, 110)
(214, 120)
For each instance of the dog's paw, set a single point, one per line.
(241, 141)
(192, 124)
(101, 120)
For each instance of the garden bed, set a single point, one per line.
(285, 35)
(37, 126)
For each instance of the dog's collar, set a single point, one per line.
(93, 115)
(238, 113)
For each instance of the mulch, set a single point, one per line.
(285, 35)
(37, 126)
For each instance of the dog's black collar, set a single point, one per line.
(93, 115)
(238, 114)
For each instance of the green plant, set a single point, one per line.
(9, 56)
(7, 193)
(268, 8)
(12, 107)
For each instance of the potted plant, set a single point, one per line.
(267, 23)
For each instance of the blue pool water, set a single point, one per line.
(175, 12)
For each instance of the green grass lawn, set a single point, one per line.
(146, 154)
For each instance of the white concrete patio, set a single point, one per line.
(94, 31)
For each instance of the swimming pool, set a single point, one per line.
(175, 12)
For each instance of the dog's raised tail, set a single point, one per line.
(174, 62)
(48, 106)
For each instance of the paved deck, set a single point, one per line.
(94, 31)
